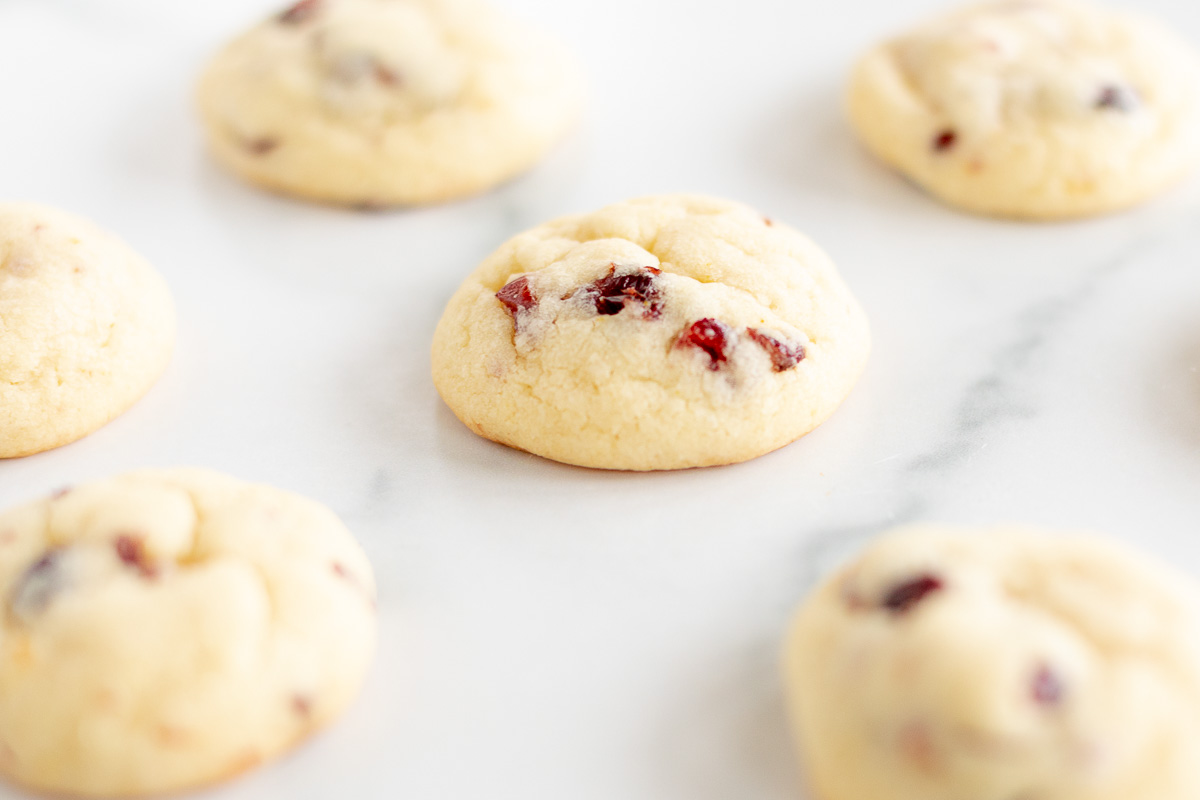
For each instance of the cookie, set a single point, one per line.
(167, 629)
(86, 327)
(1007, 665)
(660, 333)
(1037, 109)
(388, 102)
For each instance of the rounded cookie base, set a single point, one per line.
(89, 327)
(1033, 109)
(169, 629)
(372, 104)
(996, 664)
(624, 380)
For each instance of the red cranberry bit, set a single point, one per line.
(945, 140)
(901, 599)
(1047, 688)
(302, 705)
(1117, 98)
(340, 570)
(613, 292)
(710, 335)
(60, 493)
(784, 355)
(353, 68)
(39, 584)
(261, 146)
(386, 76)
(917, 746)
(517, 296)
(300, 12)
(132, 552)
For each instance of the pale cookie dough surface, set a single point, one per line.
(660, 333)
(388, 102)
(1033, 108)
(86, 327)
(1006, 665)
(167, 629)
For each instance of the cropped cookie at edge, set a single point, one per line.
(86, 328)
(661, 333)
(1007, 664)
(379, 103)
(1037, 109)
(169, 629)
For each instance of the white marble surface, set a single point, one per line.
(550, 632)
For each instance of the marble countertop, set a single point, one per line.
(550, 632)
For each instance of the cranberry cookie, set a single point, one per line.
(1039, 109)
(168, 629)
(388, 102)
(660, 333)
(1007, 665)
(86, 328)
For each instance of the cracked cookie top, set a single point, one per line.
(385, 102)
(1010, 663)
(86, 327)
(1033, 108)
(163, 630)
(660, 333)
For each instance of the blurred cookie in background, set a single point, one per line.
(1000, 663)
(388, 102)
(168, 629)
(1037, 109)
(86, 328)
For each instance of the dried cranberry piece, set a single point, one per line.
(341, 572)
(945, 140)
(386, 75)
(1117, 98)
(300, 12)
(784, 354)
(132, 552)
(612, 292)
(39, 584)
(916, 745)
(355, 67)
(517, 296)
(261, 146)
(710, 335)
(302, 704)
(1047, 688)
(901, 598)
